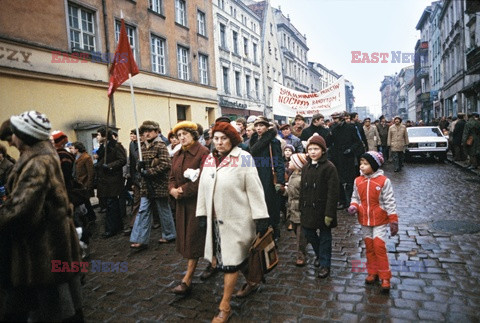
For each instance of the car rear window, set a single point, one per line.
(424, 132)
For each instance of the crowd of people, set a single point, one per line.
(209, 191)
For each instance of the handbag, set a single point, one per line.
(274, 173)
(263, 257)
(469, 141)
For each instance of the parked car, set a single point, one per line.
(426, 142)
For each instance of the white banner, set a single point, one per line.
(289, 103)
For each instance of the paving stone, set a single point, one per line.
(430, 315)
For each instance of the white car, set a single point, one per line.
(426, 142)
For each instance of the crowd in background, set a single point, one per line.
(174, 183)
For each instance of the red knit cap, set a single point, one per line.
(59, 137)
(229, 131)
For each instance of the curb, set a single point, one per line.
(462, 165)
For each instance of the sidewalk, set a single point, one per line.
(462, 164)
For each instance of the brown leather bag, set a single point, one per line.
(274, 173)
(469, 141)
(263, 257)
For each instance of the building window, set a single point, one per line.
(226, 87)
(182, 59)
(255, 52)
(235, 42)
(201, 23)
(180, 12)
(276, 54)
(182, 112)
(156, 5)
(237, 84)
(130, 34)
(257, 88)
(245, 46)
(269, 48)
(223, 41)
(271, 29)
(203, 69)
(247, 85)
(221, 4)
(158, 55)
(81, 28)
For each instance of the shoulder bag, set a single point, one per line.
(263, 257)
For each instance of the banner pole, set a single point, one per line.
(140, 157)
(106, 130)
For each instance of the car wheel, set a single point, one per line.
(442, 157)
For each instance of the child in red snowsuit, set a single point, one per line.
(374, 202)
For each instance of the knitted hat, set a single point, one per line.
(31, 123)
(184, 125)
(298, 160)
(288, 146)
(59, 138)
(149, 125)
(262, 120)
(229, 131)
(317, 140)
(374, 158)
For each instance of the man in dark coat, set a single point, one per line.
(383, 132)
(360, 133)
(110, 182)
(457, 137)
(261, 143)
(317, 126)
(344, 142)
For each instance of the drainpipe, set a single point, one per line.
(107, 49)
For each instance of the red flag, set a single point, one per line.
(123, 62)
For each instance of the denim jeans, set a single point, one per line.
(143, 222)
(322, 245)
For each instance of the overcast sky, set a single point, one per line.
(335, 28)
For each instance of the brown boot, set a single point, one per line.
(371, 278)
(386, 285)
(182, 289)
(222, 316)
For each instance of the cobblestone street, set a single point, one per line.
(435, 266)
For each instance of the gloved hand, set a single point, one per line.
(202, 222)
(261, 226)
(279, 187)
(106, 167)
(352, 210)
(347, 151)
(328, 221)
(393, 228)
(141, 165)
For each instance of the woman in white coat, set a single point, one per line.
(231, 204)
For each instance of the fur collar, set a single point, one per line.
(44, 147)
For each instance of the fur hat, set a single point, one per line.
(184, 125)
(374, 158)
(251, 119)
(59, 138)
(317, 140)
(229, 131)
(262, 120)
(149, 125)
(298, 160)
(32, 124)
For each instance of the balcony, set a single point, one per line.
(424, 97)
(422, 72)
(473, 60)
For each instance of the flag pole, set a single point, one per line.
(106, 130)
(140, 157)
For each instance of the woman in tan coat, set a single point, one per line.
(183, 186)
(231, 201)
